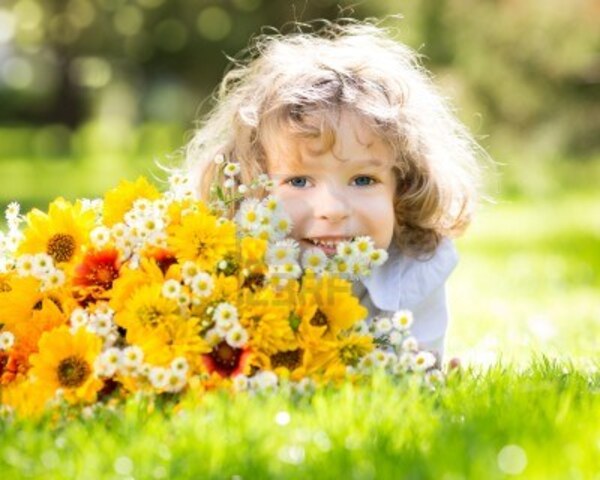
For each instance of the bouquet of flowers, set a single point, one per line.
(152, 292)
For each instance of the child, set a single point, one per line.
(358, 142)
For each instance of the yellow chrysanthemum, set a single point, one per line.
(202, 239)
(27, 312)
(178, 210)
(326, 306)
(266, 316)
(131, 279)
(146, 307)
(66, 361)
(175, 337)
(61, 233)
(119, 200)
(333, 357)
(24, 398)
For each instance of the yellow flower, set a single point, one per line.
(24, 398)
(66, 361)
(326, 307)
(119, 200)
(175, 337)
(27, 312)
(266, 316)
(61, 233)
(146, 307)
(131, 279)
(202, 239)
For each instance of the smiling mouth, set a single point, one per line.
(328, 242)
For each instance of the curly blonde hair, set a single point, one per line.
(281, 80)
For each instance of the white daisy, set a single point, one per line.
(25, 265)
(7, 340)
(282, 251)
(378, 257)
(264, 381)
(219, 159)
(363, 246)
(402, 320)
(100, 236)
(42, 265)
(434, 378)
(237, 337)
(54, 279)
(240, 383)
(410, 344)
(133, 356)
(248, 216)
(171, 289)
(159, 376)
(383, 326)
(225, 312)
(314, 259)
(231, 169)
(396, 338)
(79, 318)
(180, 365)
(188, 271)
(175, 381)
(202, 284)
(423, 361)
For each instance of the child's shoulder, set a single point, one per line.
(404, 282)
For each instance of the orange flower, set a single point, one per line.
(96, 274)
(227, 361)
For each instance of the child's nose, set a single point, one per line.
(331, 204)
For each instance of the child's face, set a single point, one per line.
(339, 194)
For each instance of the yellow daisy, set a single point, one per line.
(119, 200)
(146, 307)
(66, 361)
(131, 279)
(202, 239)
(266, 316)
(61, 233)
(175, 337)
(326, 306)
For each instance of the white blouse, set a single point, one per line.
(404, 283)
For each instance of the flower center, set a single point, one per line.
(104, 275)
(350, 355)
(5, 286)
(254, 281)
(73, 371)
(289, 360)
(226, 357)
(61, 247)
(149, 315)
(319, 319)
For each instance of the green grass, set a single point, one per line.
(538, 424)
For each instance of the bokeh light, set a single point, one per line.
(128, 20)
(17, 73)
(7, 26)
(214, 23)
(91, 72)
(170, 35)
(247, 5)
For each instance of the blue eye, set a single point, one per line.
(298, 182)
(363, 181)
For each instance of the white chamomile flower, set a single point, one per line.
(25, 265)
(42, 265)
(79, 318)
(410, 344)
(54, 279)
(180, 365)
(229, 183)
(171, 289)
(100, 325)
(133, 356)
(159, 376)
(423, 361)
(231, 169)
(225, 312)
(383, 326)
(142, 205)
(248, 216)
(149, 226)
(243, 189)
(202, 284)
(12, 211)
(291, 269)
(378, 257)
(183, 299)
(363, 246)
(367, 362)
(188, 271)
(282, 252)
(434, 378)
(344, 249)
(402, 319)
(100, 236)
(219, 159)
(213, 337)
(314, 259)
(237, 337)
(118, 231)
(380, 358)
(110, 360)
(175, 381)
(177, 179)
(7, 340)
(281, 226)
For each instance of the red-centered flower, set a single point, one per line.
(98, 271)
(226, 360)
(163, 257)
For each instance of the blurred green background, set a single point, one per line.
(92, 91)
